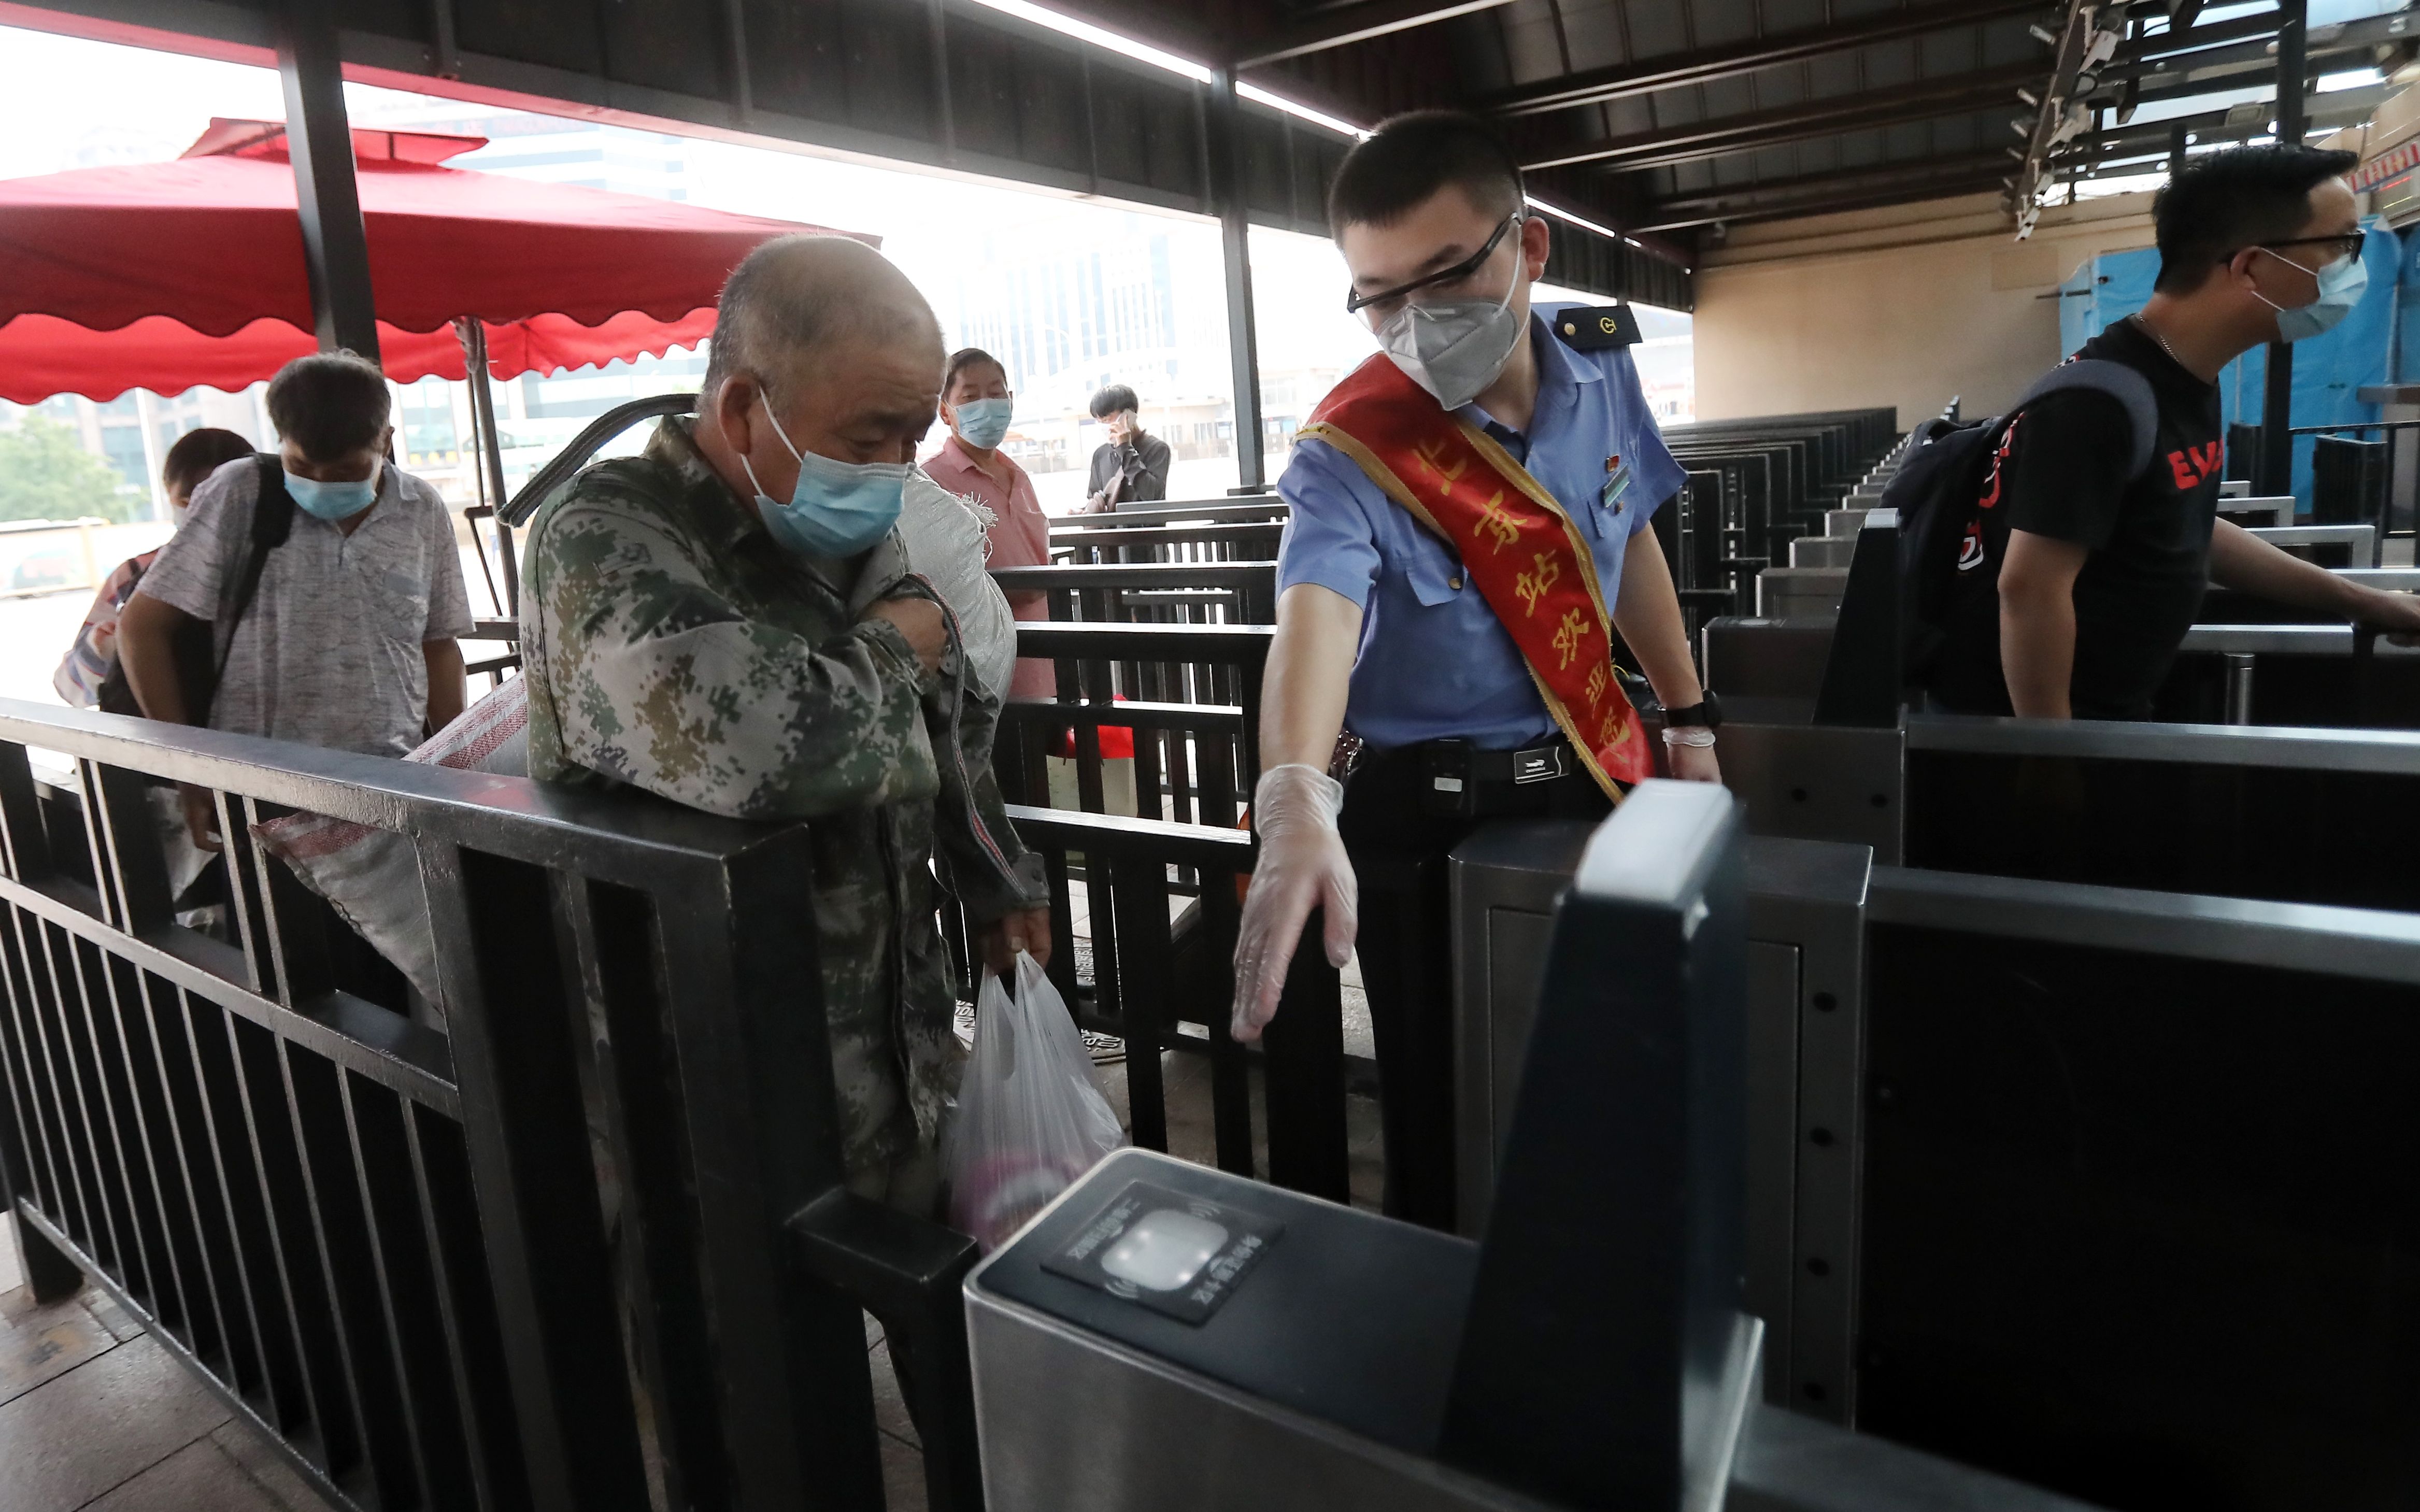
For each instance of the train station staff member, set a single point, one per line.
(1455, 567)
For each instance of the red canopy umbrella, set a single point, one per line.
(165, 276)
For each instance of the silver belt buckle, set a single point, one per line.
(1539, 763)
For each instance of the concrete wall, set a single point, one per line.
(1907, 305)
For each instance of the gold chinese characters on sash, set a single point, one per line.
(1521, 550)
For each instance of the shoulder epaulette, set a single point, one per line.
(1589, 331)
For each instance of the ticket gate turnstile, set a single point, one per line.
(1171, 1337)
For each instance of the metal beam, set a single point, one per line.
(2276, 471)
(1356, 23)
(1628, 80)
(1918, 100)
(1222, 142)
(1816, 193)
(2250, 59)
(2180, 38)
(319, 140)
(2073, 38)
(1875, 199)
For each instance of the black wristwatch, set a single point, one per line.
(1707, 716)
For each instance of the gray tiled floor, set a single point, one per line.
(95, 1414)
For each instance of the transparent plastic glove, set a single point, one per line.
(1302, 867)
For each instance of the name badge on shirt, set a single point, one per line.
(1616, 482)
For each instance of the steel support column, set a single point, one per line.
(334, 247)
(492, 454)
(1222, 138)
(2276, 470)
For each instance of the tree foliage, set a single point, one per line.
(45, 474)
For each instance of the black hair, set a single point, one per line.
(1410, 156)
(196, 454)
(1110, 401)
(2227, 201)
(330, 404)
(963, 358)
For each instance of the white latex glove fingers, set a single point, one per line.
(1302, 866)
(1343, 899)
(1274, 912)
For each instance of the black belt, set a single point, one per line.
(1457, 779)
(1532, 763)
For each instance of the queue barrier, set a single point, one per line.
(459, 1268)
(1755, 486)
(1196, 511)
(2281, 673)
(2081, 1185)
(1161, 886)
(2290, 814)
(1202, 593)
(1251, 541)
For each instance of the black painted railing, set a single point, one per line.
(1162, 593)
(1244, 542)
(1161, 885)
(592, 1234)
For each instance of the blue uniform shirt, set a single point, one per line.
(1435, 663)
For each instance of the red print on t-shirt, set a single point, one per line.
(2194, 464)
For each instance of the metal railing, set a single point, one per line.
(1161, 886)
(1174, 593)
(1248, 542)
(478, 1268)
(1199, 511)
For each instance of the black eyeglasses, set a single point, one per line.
(1356, 303)
(2346, 244)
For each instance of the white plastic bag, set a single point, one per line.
(372, 876)
(1030, 1117)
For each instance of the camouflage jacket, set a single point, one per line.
(670, 643)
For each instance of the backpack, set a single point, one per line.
(200, 662)
(1938, 493)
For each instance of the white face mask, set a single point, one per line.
(1455, 349)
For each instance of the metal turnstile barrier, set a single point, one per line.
(1805, 940)
(1171, 1337)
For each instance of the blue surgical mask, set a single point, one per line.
(984, 422)
(332, 502)
(2341, 284)
(837, 509)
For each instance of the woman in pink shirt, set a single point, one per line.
(976, 402)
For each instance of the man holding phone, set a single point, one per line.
(1131, 466)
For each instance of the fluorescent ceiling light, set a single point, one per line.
(1581, 221)
(1084, 31)
(2330, 82)
(1255, 93)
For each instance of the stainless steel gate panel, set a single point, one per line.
(1810, 781)
(1803, 1035)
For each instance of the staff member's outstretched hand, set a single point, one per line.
(1302, 867)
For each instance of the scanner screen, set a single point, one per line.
(1164, 1250)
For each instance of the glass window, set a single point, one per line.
(123, 447)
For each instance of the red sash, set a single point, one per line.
(1521, 550)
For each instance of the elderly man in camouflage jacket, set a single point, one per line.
(727, 620)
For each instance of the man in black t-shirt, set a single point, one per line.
(2101, 575)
